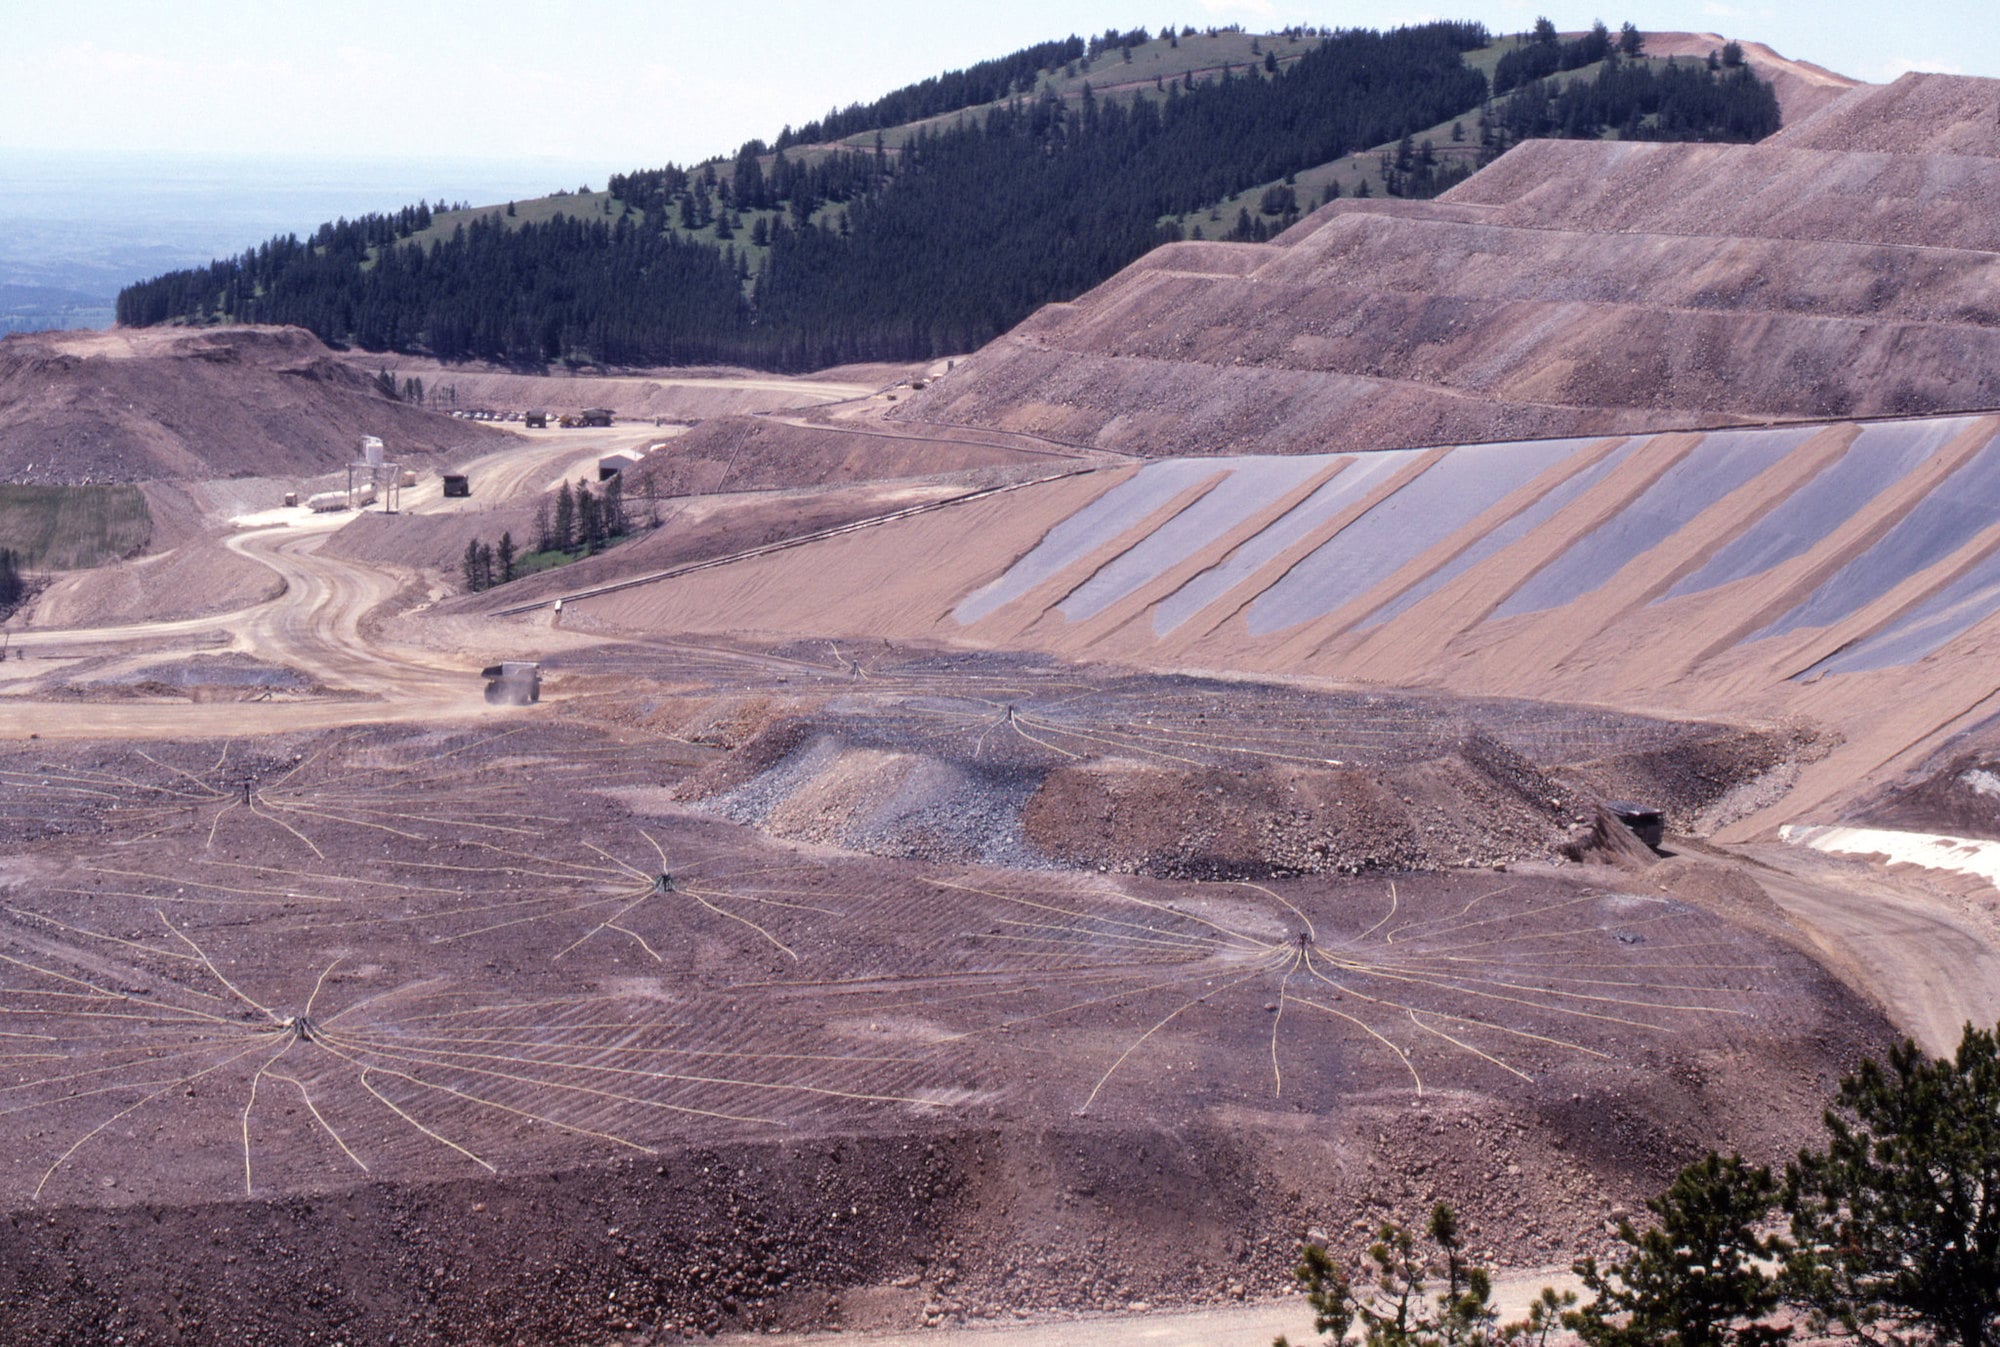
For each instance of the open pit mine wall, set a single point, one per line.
(1847, 267)
(1848, 573)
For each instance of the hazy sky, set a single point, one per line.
(599, 85)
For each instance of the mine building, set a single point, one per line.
(612, 465)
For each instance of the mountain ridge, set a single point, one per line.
(845, 253)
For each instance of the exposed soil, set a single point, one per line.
(816, 957)
(640, 396)
(688, 531)
(198, 403)
(738, 453)
(192, 580)
(1918, 114)
(985, 758)
(791, 1086)
(1955, 792)
(1572, 288)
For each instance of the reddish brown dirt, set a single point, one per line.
(740, 453)
(1572, 288)
(966, 758)
(675, 395)
(198, 403)
(688, 531)
(1918, 114)
(843, 983)
(193, 580)
(414, 1030)
(1955, 790)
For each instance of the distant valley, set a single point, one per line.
(74, 230)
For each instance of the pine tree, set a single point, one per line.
(1696, 1278)
(11, 585)
(562, 537)
(1393, 1311)
(615, 523)
(912, 260)
(589, 518)
(1898, 1220)
(505, 555)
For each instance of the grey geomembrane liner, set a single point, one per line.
(1880, 456)
(1254, 485)
(1363, 473)
(1506, 534)
(1089, 528)
(1723, 461)
(1449, 495)
(1942, 522)
(1972, 598)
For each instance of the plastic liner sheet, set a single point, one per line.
(1505, 535)
(1955, 511)
(1453, 492)
(1880, 456)
(1953, 610)
(1083, 532)
(1722, 462)
(1253, 486)
(1363, 474)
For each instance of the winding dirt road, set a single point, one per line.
(1898, 937)
(317, 625)
(314, 626)
(1251, 1325)
(1929, 955)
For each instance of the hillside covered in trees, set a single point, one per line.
(815, 252)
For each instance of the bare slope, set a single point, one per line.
(220, 402)
(1572, 288)
(596, 1062)
(676, 395)
(1918, 114)
(1820, 571)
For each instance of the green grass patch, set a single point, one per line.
(66, 528)
(530, 562)
(1349, 172)
(534, 210)
(1112, 78)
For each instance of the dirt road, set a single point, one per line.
(543, 459)
(1931, 962)
(1242, 1326)
(1928, 956)
(1232, 1326)
(315, 626)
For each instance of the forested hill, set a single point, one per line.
(910, 241)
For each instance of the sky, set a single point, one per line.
(574, 92)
